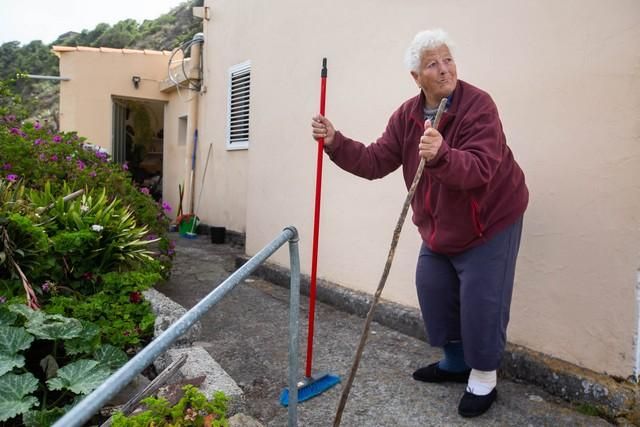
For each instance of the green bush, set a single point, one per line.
(63, 161)
(48, 362)
(193, 409)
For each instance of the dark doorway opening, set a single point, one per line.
(138, 141)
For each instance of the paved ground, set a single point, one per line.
(246, 333)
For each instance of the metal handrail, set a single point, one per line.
(92, 403)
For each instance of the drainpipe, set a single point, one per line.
(192, 123)
(636, 370)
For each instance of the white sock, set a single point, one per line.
(482, 382)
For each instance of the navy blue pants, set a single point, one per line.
(467, 297)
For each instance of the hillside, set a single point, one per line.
(164, 33)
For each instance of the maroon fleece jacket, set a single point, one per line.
(469, 192)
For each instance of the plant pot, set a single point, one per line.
(218, 234)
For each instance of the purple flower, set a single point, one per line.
(54, 158)
(144, 190)
(15, 131)
(3, 299)
(92, 174)
(10, 118)
(125, 166)
(37, 125)
(80, 164)
(37, 142)
(101, 155)
(6, 166)
(46, 286)
(166, 207)
(42, 156)
(151, 237)
(57, 138)
(171, 252)
(68, 158)
(12, 177)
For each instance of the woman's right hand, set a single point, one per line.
(322, 128)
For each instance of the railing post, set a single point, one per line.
(294, 311)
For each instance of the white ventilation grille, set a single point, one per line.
(238, 108)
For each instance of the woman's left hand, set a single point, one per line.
(430, 142)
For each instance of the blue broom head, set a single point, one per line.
(311, 388)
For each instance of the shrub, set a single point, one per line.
(61, 162)
(193, 409)
(51, 360)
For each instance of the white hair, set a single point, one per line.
(424, 40)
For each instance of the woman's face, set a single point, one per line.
(437, 76)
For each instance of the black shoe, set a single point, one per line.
(472, 405)
(433, 374)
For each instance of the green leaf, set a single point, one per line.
(110, 356)
(81, 377)
(13, 339)
(42, 418)
(10, 361)
(49, 366)
(54, 327)
(88, 339)
(26, 312)
(14, 390)
(7, 317)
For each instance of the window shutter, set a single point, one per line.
(238, 115)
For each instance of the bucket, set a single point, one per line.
(187, 224)
(218, 234)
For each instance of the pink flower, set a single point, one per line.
(135, 297)
(144, 190)
(54, 158)
(12, 177)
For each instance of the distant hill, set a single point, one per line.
(164, 33)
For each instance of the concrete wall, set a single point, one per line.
(174, 149)
(96, 75)
(566, 78)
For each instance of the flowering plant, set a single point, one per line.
(35, 156)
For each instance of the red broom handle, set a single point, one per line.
(316, 226)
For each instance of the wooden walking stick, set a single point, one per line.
(383, 279)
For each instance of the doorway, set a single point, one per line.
(138, 141)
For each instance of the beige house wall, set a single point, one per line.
(96, 75)
(566, 78)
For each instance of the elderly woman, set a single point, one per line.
(468, 208)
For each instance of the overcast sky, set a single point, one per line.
(27, 20)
